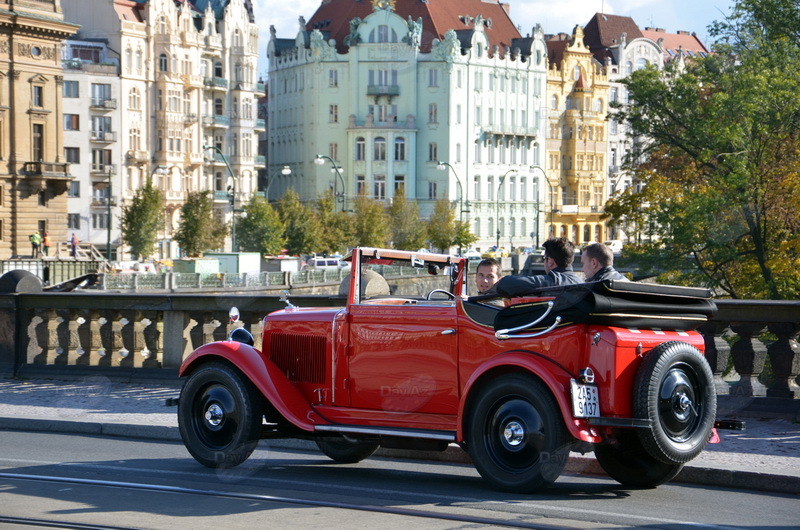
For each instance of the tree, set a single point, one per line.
(408, 231)
(338, 233)
(442, 226)
(141, 221)
(199, 229)
(370, 223)
(260, 228)
(721, 165)
(302, 228)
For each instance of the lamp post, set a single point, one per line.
(108, 213)
(442, 166)
(285, 171)
(319, 160)
(231, 193)
(544, 173)
(161, 171)
(497, 205)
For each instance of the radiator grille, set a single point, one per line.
(300, 357)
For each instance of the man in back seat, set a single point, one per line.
(558, 255)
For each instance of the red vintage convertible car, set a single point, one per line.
(611, 367)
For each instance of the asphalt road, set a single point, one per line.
(117, 482)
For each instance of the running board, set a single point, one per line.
(445, 436)
(620, 422)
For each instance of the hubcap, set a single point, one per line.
(514, 433)
(678, 405)
(214, 415)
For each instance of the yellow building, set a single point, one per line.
(34, 177)
(577, 170)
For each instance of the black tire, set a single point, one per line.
(627, 462)
(219, 416)
(674, 388)
(516, 436)
(344, 451)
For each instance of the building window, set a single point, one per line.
(70, 89)
(333, 151)
(433, 152)
(333, 78)
(74, 189)
(38, 96)
(477, 186)
(433, 77)
(72, 122)
(73, 221)
(380, 148)
(433, 113)
(399, 148)
(38, 142)
(100, 221)
(432, 190)
(333, 114)
(134, 99)
(361, 185)
(399, 183)
(361, 148)
(554, 102)
(72, 155)
(163, 63)
(380, 187)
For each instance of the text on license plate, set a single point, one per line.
(585, 400)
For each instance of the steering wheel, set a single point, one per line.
(448, 293)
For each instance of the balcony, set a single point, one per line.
(103, 169)
(383, 90)
(189, 118)
(260, 160)
(103, 136)
(214, 41)
(261, 89)
(260, 125)
(39, 173)
(216, 82)
(218, 120)
(137, 157)
(103, 103)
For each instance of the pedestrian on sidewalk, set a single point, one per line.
(46, 244)
(36, 240)
(73, 241)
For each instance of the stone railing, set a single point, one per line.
(50, 333)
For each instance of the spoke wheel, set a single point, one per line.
(516, 436)
(344, 451)
(627, 462)
(674, 389)
(219, 416)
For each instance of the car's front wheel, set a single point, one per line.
(344, 451)
(219, 416)
(516, 436)
(627, 462)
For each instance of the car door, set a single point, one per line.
(403, 357)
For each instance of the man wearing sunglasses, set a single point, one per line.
(558, 255)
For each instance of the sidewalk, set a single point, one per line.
(765, 456)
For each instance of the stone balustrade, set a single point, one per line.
(48, 333)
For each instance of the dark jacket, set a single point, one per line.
(607, 273)
(510, 286)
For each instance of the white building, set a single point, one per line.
(446, 109)
(90, 92)
(188, 93)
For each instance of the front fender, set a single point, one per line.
(526, 362)
(263, 373)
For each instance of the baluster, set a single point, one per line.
(784, 356)
(52, 347)
(749, 355)
(120, 355)
(75, 351)
(100, 336)
(717, 352)
(140, 350)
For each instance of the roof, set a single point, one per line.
(604, 32)
(438, 16)
(672, 43)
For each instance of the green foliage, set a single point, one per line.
(721, 166)
(141, 221)
(442, 226)
(338, 231)
(302, 227)
(370, 223)
(408, 231)
(199, 229)
(260, 229)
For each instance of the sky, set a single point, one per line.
(554, 15)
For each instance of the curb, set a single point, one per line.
(577, 464)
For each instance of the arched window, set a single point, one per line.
(554, 102)
(380, 148)
(586, 233)
(134, 99)
(598, 106)
(628, 68)
(163, 63)
(641, 63)
(576, 73)
(361, 148)
(400, 148)
(219, 110)
(218, 69)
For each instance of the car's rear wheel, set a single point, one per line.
(516, 436)
(674, 388)
(344, 451)
(627, 462)
(219, 416)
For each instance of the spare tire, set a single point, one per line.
(674, 389)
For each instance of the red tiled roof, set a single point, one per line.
(688, 42)
(438, 16)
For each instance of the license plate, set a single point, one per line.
(585, 400)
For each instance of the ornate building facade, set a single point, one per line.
(34, 177)
(438, 99)
(188, 95)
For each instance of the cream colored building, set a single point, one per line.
(188, 97)
(577, 140)
(34, 178)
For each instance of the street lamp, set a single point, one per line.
(497, 205)
(285, 171)
(162, 171)
(540, 168)
(231, 193)
(319, 160)
(108, 219)
(442, 166)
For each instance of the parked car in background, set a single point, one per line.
(472, 254)
(328, 264)
(615, 245)
(495, 252)
(610, 367)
